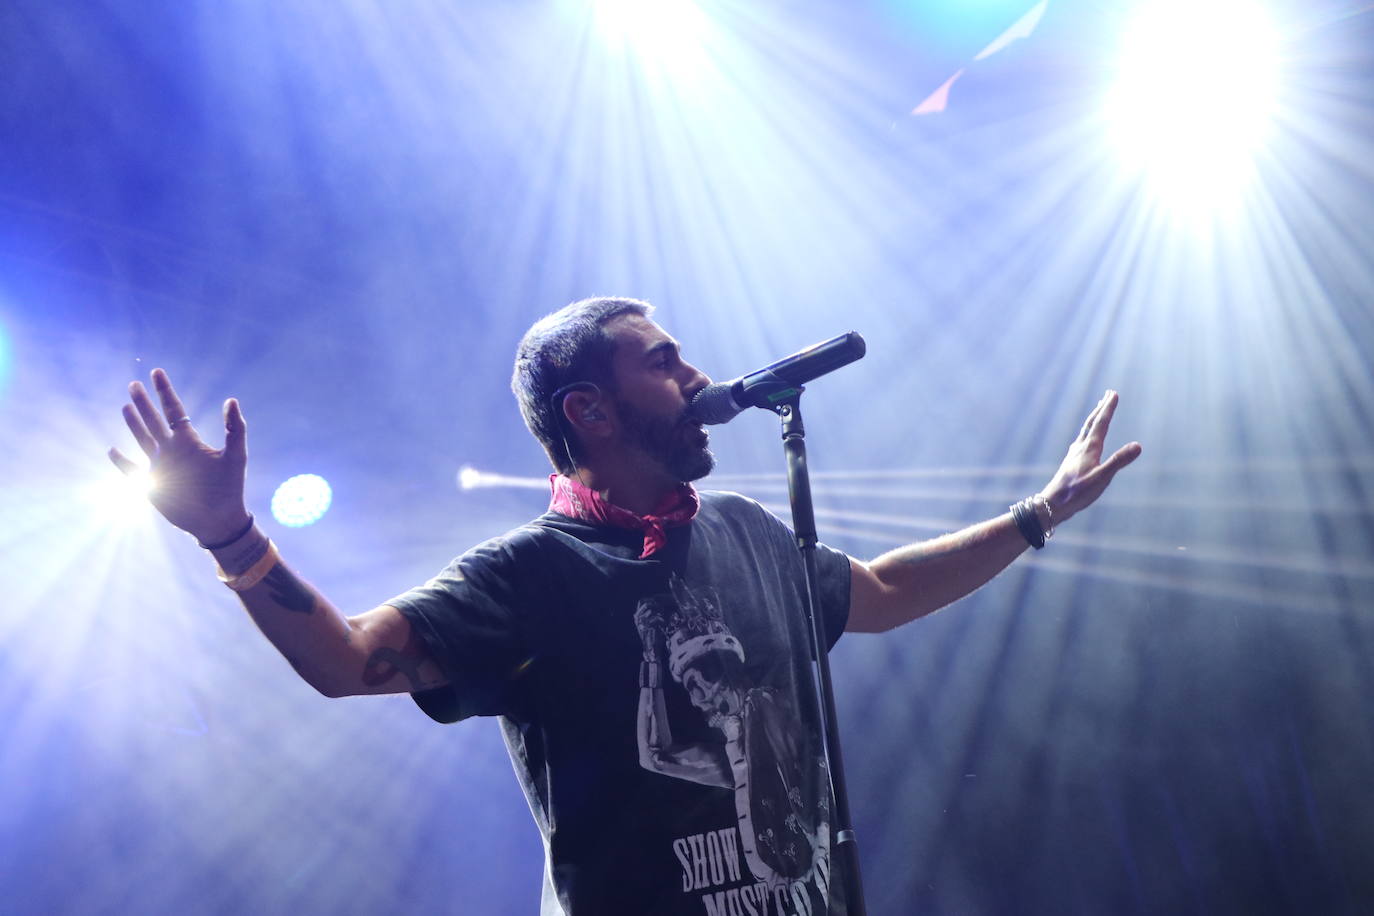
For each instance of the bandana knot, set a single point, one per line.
(575, 500)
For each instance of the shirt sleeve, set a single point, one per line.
(469, 617)
(833, 571)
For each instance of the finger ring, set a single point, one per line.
(172, 424)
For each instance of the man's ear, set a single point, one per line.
(584, 409)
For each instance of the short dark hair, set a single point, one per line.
(562, 349)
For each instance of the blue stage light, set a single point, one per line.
(302, 500)
(960, 25)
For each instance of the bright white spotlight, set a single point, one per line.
(301, 500)
(1194, 97)
(664, 33)
(120, 499)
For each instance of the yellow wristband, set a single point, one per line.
(253, 574)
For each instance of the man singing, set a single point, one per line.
(643, 642)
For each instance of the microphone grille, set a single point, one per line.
(713, 404)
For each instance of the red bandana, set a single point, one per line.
(575, 500)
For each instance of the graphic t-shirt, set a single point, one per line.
(660, 713)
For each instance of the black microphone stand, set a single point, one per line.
(786, 403)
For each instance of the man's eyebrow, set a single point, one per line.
(670, 346)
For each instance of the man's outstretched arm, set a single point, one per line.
(199, 489)
(912, 581)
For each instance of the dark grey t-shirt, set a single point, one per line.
(660, 714)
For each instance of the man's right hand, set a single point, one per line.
(197, 488)
(200, 490)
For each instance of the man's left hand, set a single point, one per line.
(1083, 475)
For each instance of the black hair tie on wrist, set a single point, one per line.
(247, 528)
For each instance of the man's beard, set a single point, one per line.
(662, 438)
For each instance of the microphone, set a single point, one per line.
(723, 401)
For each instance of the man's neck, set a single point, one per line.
(635, 492)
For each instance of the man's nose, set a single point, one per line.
(696, 380)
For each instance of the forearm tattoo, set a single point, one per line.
(289, 591)
(386, 663)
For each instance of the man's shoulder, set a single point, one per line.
(509, 546)
(554, 530)
(526, 539)
(736, 507)
(527, 533)
(729, 501)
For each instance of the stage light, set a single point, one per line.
(1193, 98)
(119, 499)
(302, 500)
(469, 478)
(662, 33)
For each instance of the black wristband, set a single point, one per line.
(1028, 523)
(220, 546)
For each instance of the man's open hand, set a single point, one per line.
(1083, 475)
(197, 488)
